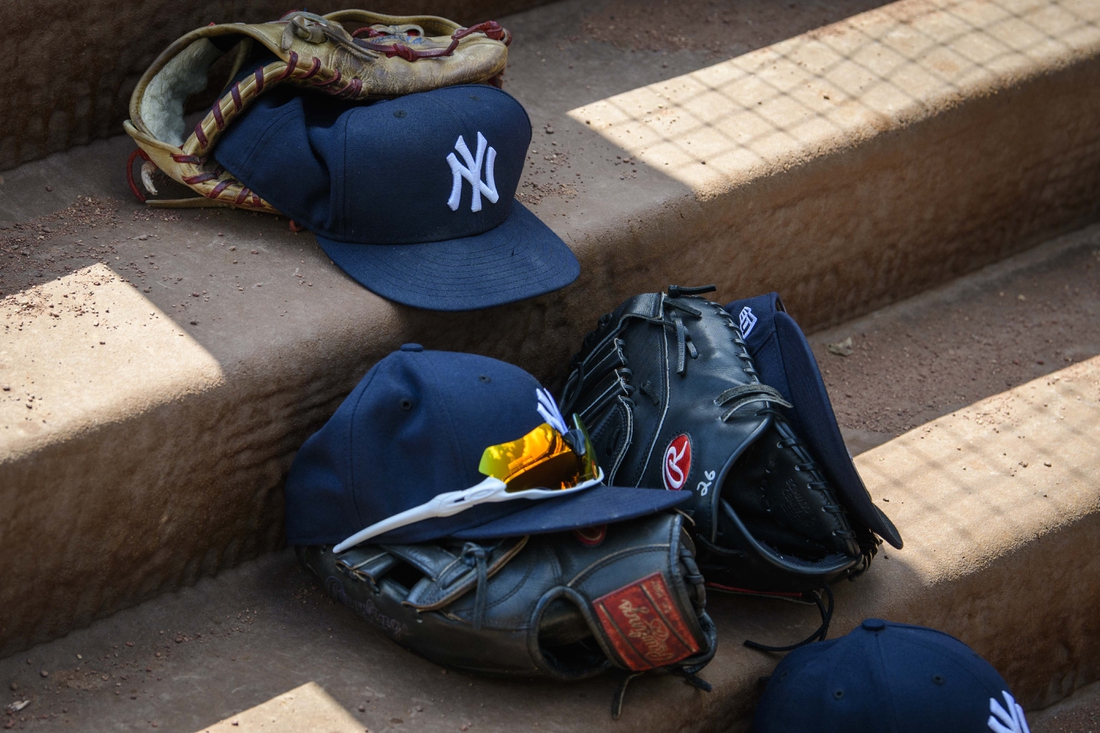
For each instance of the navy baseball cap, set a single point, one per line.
(784, 360)
(888, 678)
(416, 427)
(413, 197)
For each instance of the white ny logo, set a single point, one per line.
(472, 173)
(1006, 721)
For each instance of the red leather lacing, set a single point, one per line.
(313, 69)
(333, 80)
(367, 31)
(490, 28)
(352, 89)
(751, 592)
(130, 173)
(291, 65)
(200, 178)
(217, 190)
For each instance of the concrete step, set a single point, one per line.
(992, 497)
(162, 368)
(1079, 713)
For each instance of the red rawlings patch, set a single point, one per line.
(644, 625)
(677, 463)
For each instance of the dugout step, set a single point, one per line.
(992, 498)
(161, 368)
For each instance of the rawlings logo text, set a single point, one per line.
(366, 609)
(644, 624)
(653, 633)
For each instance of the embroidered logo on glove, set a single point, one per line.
(644, 625)
(677, 463)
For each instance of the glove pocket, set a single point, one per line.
(447, 574)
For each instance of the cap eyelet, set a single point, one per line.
(405, 404)
(484, 378)
(938, 679)
(838, 694)
(400, 114)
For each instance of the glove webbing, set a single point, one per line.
(656, 315)
(806, 463)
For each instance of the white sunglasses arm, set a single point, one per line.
(443, 505)
(451, 503)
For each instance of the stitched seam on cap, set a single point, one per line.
(432, 385)
(351, 446)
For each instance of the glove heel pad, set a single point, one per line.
(785, 501)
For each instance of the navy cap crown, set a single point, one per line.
(421, 168)
(886, 676)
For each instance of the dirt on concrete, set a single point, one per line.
(37, 250)
(1079, 713)
(928, 356)
(186, 660)
(721, 29)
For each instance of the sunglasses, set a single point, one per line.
(550, 461)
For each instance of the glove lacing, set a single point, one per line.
(684, 347)
(620, 694)
(806, 464)
(747, 394)
(826, 611)
(757, 391)
(474, 555)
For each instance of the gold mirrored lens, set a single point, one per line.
(590, 469)
(540, 460)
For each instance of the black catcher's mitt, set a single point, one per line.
(672, 401)
(564, 605)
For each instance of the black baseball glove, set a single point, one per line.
(565, 605)
(672, 401)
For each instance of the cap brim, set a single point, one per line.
(598, 505)
(519, 259)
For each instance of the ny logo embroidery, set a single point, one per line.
(472, 173)
(1006, 721)
(747, 321)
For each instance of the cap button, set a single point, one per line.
(874, 624)
(411, 347)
